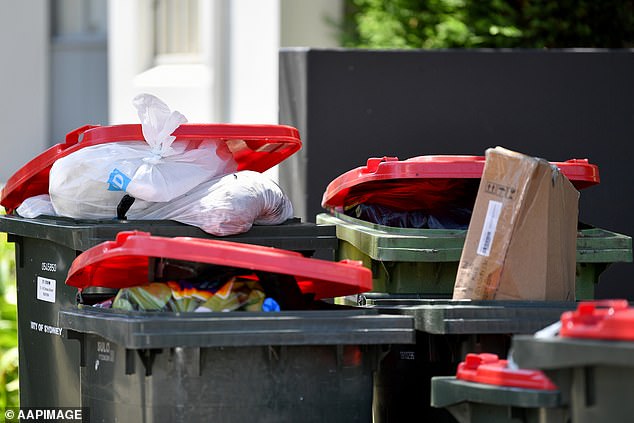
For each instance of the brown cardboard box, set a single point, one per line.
(521, 242)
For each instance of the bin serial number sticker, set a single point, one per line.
(46, 289)
(490, 224)
(49, 267)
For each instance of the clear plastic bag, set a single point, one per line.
(226, 205)
(91, 182)
(39, 205)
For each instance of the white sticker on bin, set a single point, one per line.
(46, 289)
(490, 224)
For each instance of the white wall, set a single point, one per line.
(129, 54)
(252, 49)
(24, 117)
(237, 79)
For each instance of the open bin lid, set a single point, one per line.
(490, 370)
(254, 147)
(607, 319)
(388, 179)
(125, 262)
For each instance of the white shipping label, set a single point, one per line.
(490, 224)
(46, 289)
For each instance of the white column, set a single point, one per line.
(253, 56)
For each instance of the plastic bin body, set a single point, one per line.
(45, 249)
(47, 361)
(590, 361)
(309, 366)
(425, 261)
(446, 331)
(595, 377)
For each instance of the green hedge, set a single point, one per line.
(386, 24)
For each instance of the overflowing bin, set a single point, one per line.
(253, 147)
(46, 246)
(487, 390)
(446, 331)
(312, 361)
(590, 360)
(407, 220)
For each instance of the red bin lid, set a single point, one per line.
(490, 370)
(604, 319)
(124, 262)
(426, 175)
(254, 147)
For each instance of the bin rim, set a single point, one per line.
(256, 147)
(124, 262)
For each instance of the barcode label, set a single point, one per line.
(488, 231)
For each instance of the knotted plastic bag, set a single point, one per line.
(226, 205)
(91, 182)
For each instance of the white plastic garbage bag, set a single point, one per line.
(39, 205)
(91, 182)
(226, 205)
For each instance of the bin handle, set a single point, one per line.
(588, 307)
(73, 137)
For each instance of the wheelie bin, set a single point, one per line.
(590, 360)
(407, 220)
(311, 361)
(46, 246)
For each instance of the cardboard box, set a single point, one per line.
(521, 241)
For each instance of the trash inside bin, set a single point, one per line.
(590, 360)
(446, 331)
(209, 176)
(314, 364)
(486, 389)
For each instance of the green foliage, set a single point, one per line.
(386, 24)
(9, 394)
